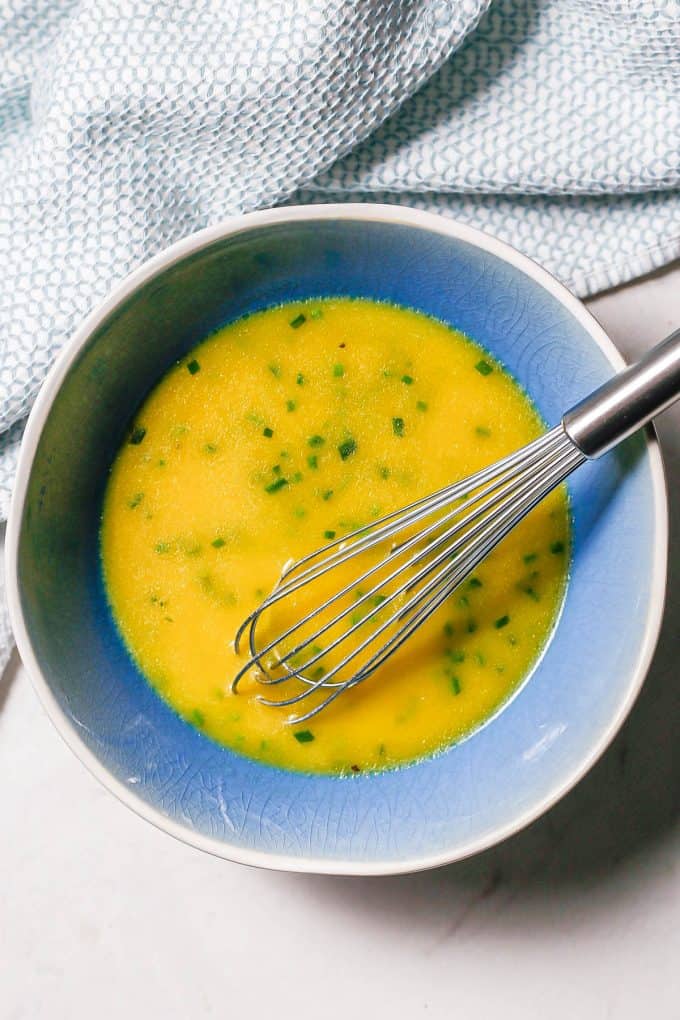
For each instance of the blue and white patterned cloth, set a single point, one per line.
(124, 126)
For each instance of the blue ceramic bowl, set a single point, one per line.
(439, 809)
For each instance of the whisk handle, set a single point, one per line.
(628, 401)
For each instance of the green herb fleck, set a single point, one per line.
(275, 369)
(448, 628)
(162, 547)
(136, 500)
(161, 463)
(502, 621)
(267, 432)
(300, 511)
(379, 599)
(384, 472)
(530, 557)
(290, 405)
(471, 627)
(138, 434)
(455, 685)
(276, 470)
(483, 367)
(347, 448)
(474, 582)
(408, 379)
(194, 367)
(463, 601)
(210, 448)
(316, 313)
(479, 659)
(316, 441)
(275, 486)
(398, 426)
(300, 380)
(198, 717)
(557, 548)
(327, 495)
(298, 321)
(456, 656)
(482, 430)
(297, 477)
(313, 461)
(217, 543)
(329, 534)
(338, 371)
(421, 405)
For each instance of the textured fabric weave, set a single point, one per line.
(554, 124)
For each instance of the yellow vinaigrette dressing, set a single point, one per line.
(282, 431)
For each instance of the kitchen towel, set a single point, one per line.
(554, 124)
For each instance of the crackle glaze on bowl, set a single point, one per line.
(437, 810)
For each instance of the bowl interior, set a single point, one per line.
(439, 808)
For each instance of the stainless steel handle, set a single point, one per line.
(628, 401)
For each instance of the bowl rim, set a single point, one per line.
(369, 212)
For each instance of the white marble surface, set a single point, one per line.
(576, 918)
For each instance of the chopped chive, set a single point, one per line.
(275, 369)
(347, 448)
(316, 441)
(217, 543)
(448, 628)
(198, 717)
(356, 618)
(530, 591)
(329, 534)
(194, 366)
(161, 463)
(384, 472)
(268, 432)
(276, 470)
(318, 673)
(408, 379)
(298, 320)
(303, 736)
(338, 371)
(483, 367)
(482, 430)
(379, 599)
(421, 405)
(471, 627)
(530, 557)
(300, 380)
(398, 426)
(502, 621)
(275, 486)
(455, 685)
(313, 461)
(136, 500)
(327, 495)
(474, 582)
(210, 448)
(162, 547)
(290, 405)
(316, 649)
(138, 434)
(557, 547)
(316, 313)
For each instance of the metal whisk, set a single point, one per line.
(414, 558)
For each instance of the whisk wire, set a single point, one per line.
(486, 507)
